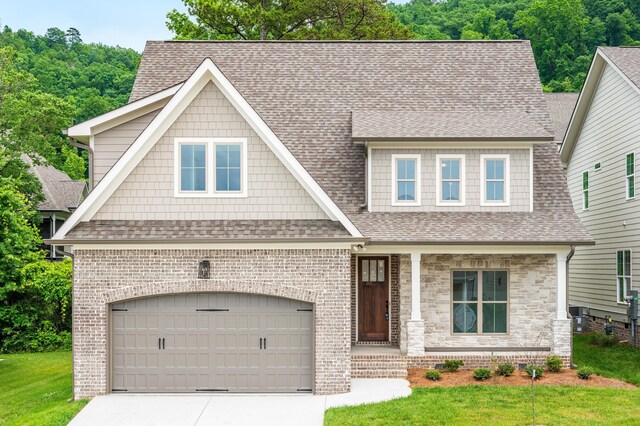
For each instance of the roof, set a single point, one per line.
(560, 107)
(203, 230)
(627, 59)
(396, 125)
(306, 93)
(62, 194)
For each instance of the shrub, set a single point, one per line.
(603, 340)
(452, 365)
(433, 375)
(529, 369)
(481, 373)
(554, 363)
(584, 373)
(505, 369)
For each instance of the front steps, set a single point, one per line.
(364, 366)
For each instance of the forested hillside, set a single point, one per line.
(564, 33)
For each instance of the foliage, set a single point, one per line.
(585, 372)
(619, 361)
(531, 368)
(433, 375)
(507, 369)
(553, 363)
(497, 406)
(603, 340)
(452, 365)
(35, 388)
(481, 373)
(564, 33)
(290, 20)
(14, 172)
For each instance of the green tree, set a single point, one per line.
(294, 19)
(616, 29)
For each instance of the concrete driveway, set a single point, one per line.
(176, 410)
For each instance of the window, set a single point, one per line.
(210, 167)
(479, 302)
(193, 167)
(631, 175)
(585, 190)
(494, 175)
(406, 180)
(450, 180)
(623, 273)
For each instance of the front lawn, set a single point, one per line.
(34, 389)
(620, 361)
(499, 405)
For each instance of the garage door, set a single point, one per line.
(211, 342)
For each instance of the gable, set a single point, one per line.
(148, 192)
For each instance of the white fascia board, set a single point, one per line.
(456, 145)
(121, 115)
(374, 249)
(207, 71)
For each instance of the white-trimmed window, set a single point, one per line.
(479, 302)
(450, 171)
(623, 274)
(405, 185)
(494, 177)
(630, 168)
(585, 190)
(210, 167)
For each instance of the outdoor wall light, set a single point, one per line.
(203, 269)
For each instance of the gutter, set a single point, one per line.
(89, 150)
(482, 243)
(569, 256)
(73, 352)
(209, 241)
(366, 176)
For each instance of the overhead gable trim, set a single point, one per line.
(82, 131)
(600, 61)
(185, 94)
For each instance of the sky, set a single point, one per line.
(127, 23)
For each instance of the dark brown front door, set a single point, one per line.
(373, 299)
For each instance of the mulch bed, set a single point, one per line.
(566, 377)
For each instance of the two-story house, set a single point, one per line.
(599, 151)
(287, 216)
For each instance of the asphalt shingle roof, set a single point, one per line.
(62, 194)
(627, 59)
(561, 106)
(307, 91)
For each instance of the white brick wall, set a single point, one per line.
(147, 194)
(381, 180)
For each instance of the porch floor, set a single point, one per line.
(374, 350)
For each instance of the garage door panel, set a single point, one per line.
(215, 348)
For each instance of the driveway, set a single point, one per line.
(240, 409)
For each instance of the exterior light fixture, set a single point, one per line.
(203, 269)
(359, 248)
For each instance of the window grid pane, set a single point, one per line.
(450, 185)
(585, 190)
(406, 180)
(228, 168)
(193, 171)
(623, 272)
(486, 312)
(494, 179)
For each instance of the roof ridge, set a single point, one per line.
(339, 41)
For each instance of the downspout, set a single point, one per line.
(569, 256)
(366, 176)
(73, 352)
(90, 154)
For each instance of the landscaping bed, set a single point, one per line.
(566, 377)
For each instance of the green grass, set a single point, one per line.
(34, 389)
(619, 362)
(498, 405)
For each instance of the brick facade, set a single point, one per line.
(621, 330)
(318, 276)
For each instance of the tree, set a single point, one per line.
(616, 29)
(286, 20)
(73, 37)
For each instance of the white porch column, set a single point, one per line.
(562, 287)
(415, 326)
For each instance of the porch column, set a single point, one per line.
(561, 325)
(415, 326)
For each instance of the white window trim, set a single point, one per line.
(626, 176)
(507, 180)
(394, 196)
(630, 276)
(439, 159)
(210, 165)
(585, 191)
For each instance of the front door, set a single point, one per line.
(373, 299)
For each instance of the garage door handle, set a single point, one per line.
(261, 343)
(159, 343)
(265, 343)
(163, 343)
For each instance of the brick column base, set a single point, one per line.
(415, 337)
(561, 339)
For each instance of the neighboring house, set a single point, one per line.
(62, 196)
(560, 107)
(283, 217)
(599, 151)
